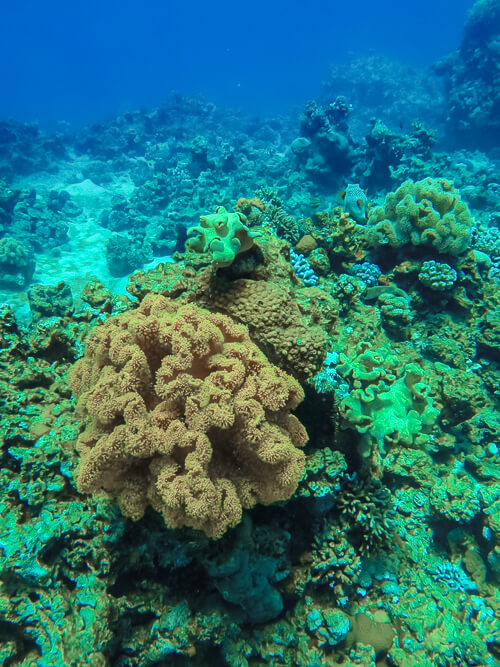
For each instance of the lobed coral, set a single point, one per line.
(245, 204)
(428, 212)
(438, 276)
(303, 269)
(16, 263)
(184, 413)
(221, 234)
(367, 272)
(388, 401)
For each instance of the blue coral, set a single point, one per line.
(303, 269)
(452, 576)
(331, 626)
(328, 380)
(367, 272)
(438, 276)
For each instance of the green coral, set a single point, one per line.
(335, 561)
(50, 300)
(221, 234)
(489, 333)
(16, 263)
(365, 513)
(428, 212)
(388, 401)
(331, 626)
(395, 314)
(456, 497)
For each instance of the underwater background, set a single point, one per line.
(250, 334)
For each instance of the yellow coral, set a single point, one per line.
(184, 413)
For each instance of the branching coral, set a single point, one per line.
(364, 509)
(184, 413)
(335, 562)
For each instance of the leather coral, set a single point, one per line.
(183, 412)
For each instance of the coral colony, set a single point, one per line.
(245, 423)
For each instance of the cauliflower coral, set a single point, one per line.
(183, 412)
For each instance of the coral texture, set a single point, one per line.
(436, 275)
(276, 324)
(387, 401)
(184, 413)
(472, 79)
(16, 263)
(428, 212)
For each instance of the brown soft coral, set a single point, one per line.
(245, 205)
(184, 413)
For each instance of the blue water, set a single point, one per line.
(85, 61)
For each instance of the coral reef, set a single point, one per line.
(16, 263)
(50, 301)
(276, 323)
(389, 402)
(377, 87)
(324, 150)
(159, 504)
(472, 80)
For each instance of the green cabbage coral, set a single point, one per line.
(429, 212)
(221, 234)
(389, 401)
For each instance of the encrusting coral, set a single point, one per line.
(184, 413)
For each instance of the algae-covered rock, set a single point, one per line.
(50, 300)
